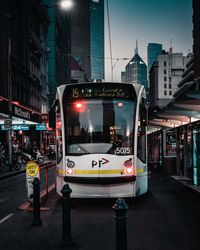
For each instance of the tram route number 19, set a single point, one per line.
(122, 151)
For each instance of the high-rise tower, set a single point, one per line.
(87, 36)
(136, 70)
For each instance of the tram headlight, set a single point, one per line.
(70, 171)
(128, 163)
(70, 164)
(128, 167)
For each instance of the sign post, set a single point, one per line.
(32, 172)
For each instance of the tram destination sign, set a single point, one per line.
(99, 90)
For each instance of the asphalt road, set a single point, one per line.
(166, 218)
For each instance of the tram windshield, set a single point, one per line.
(100, 126)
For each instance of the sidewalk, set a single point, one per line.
(7, 174)
(187, 182)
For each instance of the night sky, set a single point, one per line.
(147, 21)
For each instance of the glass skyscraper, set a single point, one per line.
(136, 70)
(97, 39)
(87, 36)
(153, 50)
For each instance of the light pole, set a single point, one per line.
(9, 81)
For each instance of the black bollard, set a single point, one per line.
(36, 203)
(66, 233)
(120, 208)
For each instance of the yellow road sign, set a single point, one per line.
(32, 169)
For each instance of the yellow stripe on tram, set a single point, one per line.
(113, 171)
(94, 171)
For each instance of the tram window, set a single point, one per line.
(59, 135)
(141, 147)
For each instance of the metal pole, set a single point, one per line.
(68, 46)
(47, 181)
(120, 208)
(9, 76)
(36, 203)
(66, 233)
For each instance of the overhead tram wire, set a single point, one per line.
(109, 34)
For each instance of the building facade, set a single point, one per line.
(196, 37)
(153, 50)
(57, 47)
(136, 70)
(165, 75)
(23, 67)
(123, 76)
(87, 37)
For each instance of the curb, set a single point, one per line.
(5, 176)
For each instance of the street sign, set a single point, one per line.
(44, 118)
(32, 171)
(8, 123)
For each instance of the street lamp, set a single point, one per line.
(66, 4)
(62, 4)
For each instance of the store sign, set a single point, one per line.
(20, 127)
(16, 127)
(21, 112)
(40, 127)
(44, 118)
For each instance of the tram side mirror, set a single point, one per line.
(143, 116)
(52, 117)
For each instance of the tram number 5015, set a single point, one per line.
(122, 151)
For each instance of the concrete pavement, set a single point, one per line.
(167, 218)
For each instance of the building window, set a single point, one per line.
(165, 78)
(165, 85)
(165, 92)
(170, 92)
(165, 71)
(170, 86)
(165, 63)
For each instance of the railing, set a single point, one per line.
(47, 182)
(46, 187)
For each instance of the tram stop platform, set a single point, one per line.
(187, 182)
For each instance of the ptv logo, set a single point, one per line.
(99, 163)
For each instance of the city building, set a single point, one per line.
(136, 70)
(23, 71)
(196, 37)
(58, 50)
(87, 36)
(123, 76)
(153, 50)
(165, 75)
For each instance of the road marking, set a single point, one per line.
(6, 218)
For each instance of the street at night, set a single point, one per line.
(167, 217)
(99, 125)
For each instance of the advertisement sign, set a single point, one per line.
(15, 127)
(40, 127)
